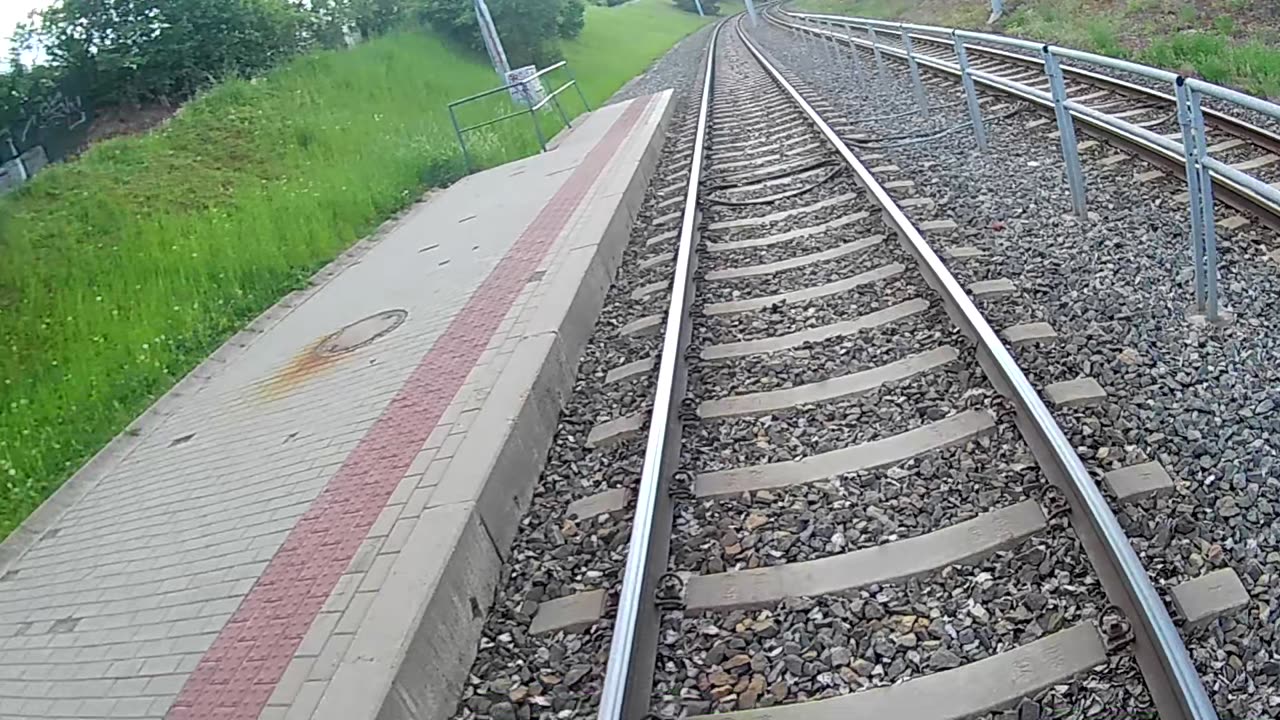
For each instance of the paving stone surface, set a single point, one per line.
(233, 561)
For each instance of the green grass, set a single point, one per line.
(1209, 52)
(1067, 23)
(967, 14)
(1165, 33)
(875, 9)
(121, 271)
(1251, 65)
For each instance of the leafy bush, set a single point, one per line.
(125, 52)
(130, 51)
(710, 7)
(572, 18)
(120, 271)
(530, 29)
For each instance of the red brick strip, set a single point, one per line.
(240, 670)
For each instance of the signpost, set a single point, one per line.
(492, 43)
(530, 91)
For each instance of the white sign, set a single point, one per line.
(527, 92)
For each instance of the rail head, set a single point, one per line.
(1245, 191)
(621, 697)
(1233, 124)
(1177, 688)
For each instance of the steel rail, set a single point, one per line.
(1242, 196)
(629, 674)
(1175, 685)
(940, 36)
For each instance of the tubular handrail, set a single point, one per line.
(511, 86)
(1191, 154)
(530, 109)
(943, 35)
(1107, 543)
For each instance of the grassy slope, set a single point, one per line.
(121, 271)
(1232, 42)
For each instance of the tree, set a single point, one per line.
(710, 7)
(376, 17)
(135, 50)
(572, 18)
(530, 29)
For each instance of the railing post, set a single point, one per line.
(563, 118)
(875, 48)
(921, 98)
(1191, 158)
(1206, 208)
(1066, 131)
(466, 157)
(577, 87)
(537, 129)
(826, 41)
(970, 95)
(853, 50)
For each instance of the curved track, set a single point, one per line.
(1246, 146)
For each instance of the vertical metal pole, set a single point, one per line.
(826, 42)
(578, 87)
(1206, 209)
(466, 158)
(537, 130)
(875, 48)
(970, 96)
(563, 118)
(18, 162)
(921, 98)
(492, 42)
(1191, 158)
(853, 50)
(751, 10)
(1067, 132)
(698, 4)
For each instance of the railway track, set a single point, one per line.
(827, 399)
(1252, 148)
(818, 484)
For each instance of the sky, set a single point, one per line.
(13, 12)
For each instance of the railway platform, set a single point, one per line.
(312, 523)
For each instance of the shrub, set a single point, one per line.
(131, 51)
(710, 7)
(529, 28)
(572, 18)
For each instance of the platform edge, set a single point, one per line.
(503, 467)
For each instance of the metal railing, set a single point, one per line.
(1191, 151)
(528, 88)
(1176, 687)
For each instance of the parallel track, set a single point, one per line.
(807, 358)
(1236, 140)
